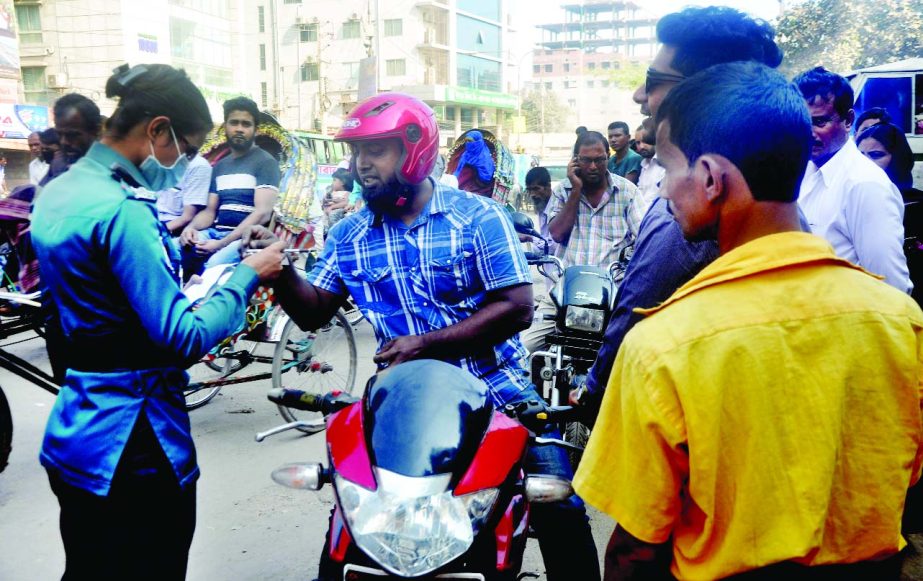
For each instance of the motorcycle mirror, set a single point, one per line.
(522, 223)
(303, 476)
(547, 489)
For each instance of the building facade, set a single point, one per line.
(329, 54)
(592, 59)
(72, 46)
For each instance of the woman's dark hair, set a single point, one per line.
(589, 138)
(344, 176)
(749, 114)
(148, 91)
(878, 113)
(242, 104)
(892, 138)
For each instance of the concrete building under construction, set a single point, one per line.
(581, 57)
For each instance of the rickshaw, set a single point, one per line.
(504, 175)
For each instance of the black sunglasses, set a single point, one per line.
(655, 78)
(190, 151)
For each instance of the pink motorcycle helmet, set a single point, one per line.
(397, 115)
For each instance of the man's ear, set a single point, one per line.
(711, 175)
(850, 118)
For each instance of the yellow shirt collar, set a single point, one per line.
(772, 252)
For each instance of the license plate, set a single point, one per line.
(359, 573)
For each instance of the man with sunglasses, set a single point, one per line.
(692, 40)
(243, 191)
(847, 199)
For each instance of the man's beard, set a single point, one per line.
(385, 198)
(242, 145)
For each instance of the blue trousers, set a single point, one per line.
(562, 528)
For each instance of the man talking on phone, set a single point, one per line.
(594, 218)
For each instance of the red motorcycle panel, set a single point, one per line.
(340, 538)
(502, 448)
(346, 445)
(511, 534)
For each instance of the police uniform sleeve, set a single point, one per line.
(141, 268)
(636, 460)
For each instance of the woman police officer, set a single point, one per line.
(118, 447)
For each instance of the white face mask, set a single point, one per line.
(160, 177)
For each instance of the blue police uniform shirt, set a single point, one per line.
(104, 265)
(410, 280)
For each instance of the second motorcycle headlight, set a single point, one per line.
(584, 319)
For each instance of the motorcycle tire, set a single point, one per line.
(6, 431)
(578, 434)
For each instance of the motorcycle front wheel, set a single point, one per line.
(6, 431)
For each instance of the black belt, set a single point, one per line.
(114, 353)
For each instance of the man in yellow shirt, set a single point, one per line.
(766, 419)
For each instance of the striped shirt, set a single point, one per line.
(410, 280)
(600, 234)
(192, 190)
(235, 181)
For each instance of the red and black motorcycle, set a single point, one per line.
(428, 476)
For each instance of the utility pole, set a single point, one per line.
(276, 81)
(323, 103)
(321, 96)
(298, 62)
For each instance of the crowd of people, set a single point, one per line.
(756, 405)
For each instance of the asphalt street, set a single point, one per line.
(248, 526)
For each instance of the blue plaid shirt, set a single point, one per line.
(410, 280)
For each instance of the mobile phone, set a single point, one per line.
(289, 252)
(577, 171)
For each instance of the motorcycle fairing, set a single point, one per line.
(346, 445)
(502, 447)
(426, 418)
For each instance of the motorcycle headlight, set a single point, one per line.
(410, 526)
(584, 319)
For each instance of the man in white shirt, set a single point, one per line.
(847, 199)
(651, 171)
(177, 206)
(37, 167)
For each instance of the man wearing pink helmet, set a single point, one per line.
(439, 273)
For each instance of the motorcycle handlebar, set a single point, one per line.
(537, 415)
